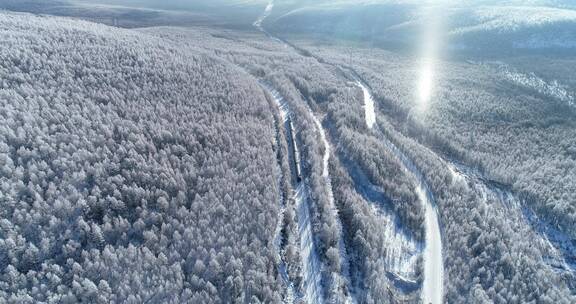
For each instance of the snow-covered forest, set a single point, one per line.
(155, 155)
(131, 170)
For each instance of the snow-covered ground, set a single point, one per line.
(432, 290)
(433, 286)
(531, 81)
(402, 251)
(311, 266)
(282, 268)
(369, 112)
(559, 251)
(312, 263)
(345, 266)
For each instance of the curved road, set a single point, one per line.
(433, 287)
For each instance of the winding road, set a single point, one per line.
(432, 289)
(433, 286)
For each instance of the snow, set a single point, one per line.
(402, 251)
(369, 112)
(282, 269)
(552, 89)
(433, 286)
(326, 175)
(311, 266)
(559, 251)
(264, 15)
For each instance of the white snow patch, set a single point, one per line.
(369, 112)
(311, 267)
(506, 19)
(553, 89)
(264, 15)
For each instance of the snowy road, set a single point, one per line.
(282, 267)
(369, 112)
(311, 264)
(433, 286)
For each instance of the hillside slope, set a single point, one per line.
(130, 170)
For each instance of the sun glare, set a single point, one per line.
(425, 84)
(429, 55)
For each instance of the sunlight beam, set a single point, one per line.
(431, 16)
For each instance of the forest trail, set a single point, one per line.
(278, 238)
(345, 266)
(312, 266)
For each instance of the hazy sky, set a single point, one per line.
(174, 4)
(195, 4)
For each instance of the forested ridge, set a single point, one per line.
(514, 134)
(131, 170)
(478, 227)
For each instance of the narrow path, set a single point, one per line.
(344, 260)
(369, 112)
(282, 267)
(311, 264)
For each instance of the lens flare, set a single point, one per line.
(425, 85)
(429, 54)
(428, 63)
